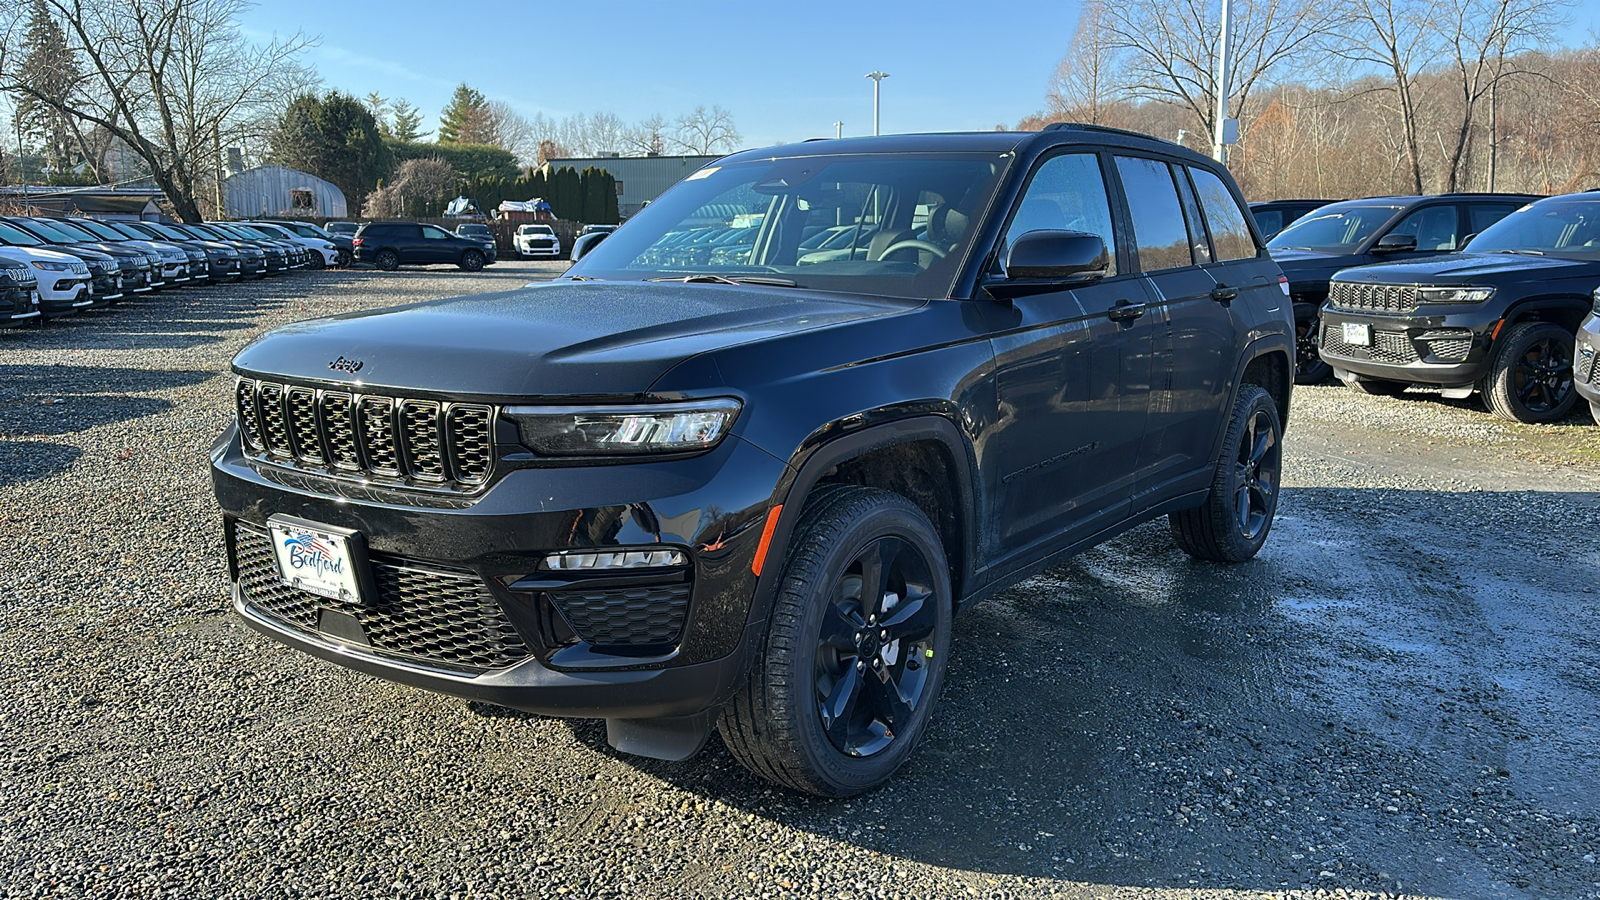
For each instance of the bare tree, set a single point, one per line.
(704, 132)
(505, 128)
(1086, 77)
(173, 80)
(648, 138)
(1168, 47)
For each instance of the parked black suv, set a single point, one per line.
(19, 293)
(1497, 318)
(390, 245)
(1377, 229)
(1273, 216)
(759, 487)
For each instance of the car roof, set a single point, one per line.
(1058, 134)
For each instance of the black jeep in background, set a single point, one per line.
(1377, 229)
(1497, 318)
(749, 485)
(390, 245)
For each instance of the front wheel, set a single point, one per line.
(1308, 365)
(344, 260)
(1531, 378)
(472, 261)
(1233, 523)
(843, 687)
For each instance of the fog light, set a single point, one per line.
(616, 559)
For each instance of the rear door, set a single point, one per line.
(1072, 376)
(437, 245)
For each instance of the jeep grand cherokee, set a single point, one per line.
(710, 478)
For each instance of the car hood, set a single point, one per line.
(31, 253)
(1473, 268)
(602, 339)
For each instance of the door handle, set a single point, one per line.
(1125, 311)
(1224, 294)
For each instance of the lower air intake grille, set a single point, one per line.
(425, 615)
(625, 617)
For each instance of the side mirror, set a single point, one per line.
(586, 242)
(1063, 256)
(1467, 240)
(1396, 243)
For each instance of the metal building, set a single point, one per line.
(640, 179)
(280, 191)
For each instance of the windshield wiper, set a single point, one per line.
(1527, 252)
(709, 278)
(583, 278)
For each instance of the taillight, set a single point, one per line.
(357, 242)
(1283, 284)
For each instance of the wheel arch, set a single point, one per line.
(1566, 310)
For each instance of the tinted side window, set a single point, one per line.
(1158, 229)
(1435, 227)
(1067, 192)
(1230, 236)
(1482, 215)
(1191, 214)
(1270, 221)
(435, 233)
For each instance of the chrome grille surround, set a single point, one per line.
(1392, 299)
(407, 442)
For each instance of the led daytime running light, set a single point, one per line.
(617, 559)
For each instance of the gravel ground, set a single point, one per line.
(1398, 697)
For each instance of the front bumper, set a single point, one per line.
(59, 296)
(551, 252)
(1446, 345)
(527, 649)
(18, 305)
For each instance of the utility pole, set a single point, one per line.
(877, 82)
(1181, 133)
(1221, 139)
(838, 130)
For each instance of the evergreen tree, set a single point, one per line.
(51, 66)
(335, 138)
(612, 213)
(405, 123)
(465, 117)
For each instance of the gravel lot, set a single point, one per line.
(1399, 697)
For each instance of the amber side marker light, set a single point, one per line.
(766, 539)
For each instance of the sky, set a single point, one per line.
(785, 70)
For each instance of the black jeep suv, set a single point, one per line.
(390, 245)
(1497, 318)
(1377, 229)
(759, 486)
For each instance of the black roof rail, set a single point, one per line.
(1107, 129)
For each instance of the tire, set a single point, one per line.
(472, 261)
(344, 259)
(821, 636)
(1377, 387)
(317, 261)
(1308, 365)
(387, 260)
(1248, 471)
(1530, 379)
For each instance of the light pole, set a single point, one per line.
(877, 83)
(1222, 138)
(838, 129)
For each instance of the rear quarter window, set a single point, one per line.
(1230, 236)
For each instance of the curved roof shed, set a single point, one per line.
(281, 191)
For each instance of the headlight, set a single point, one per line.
(1454, 294)
(52, 266)
(625, 430)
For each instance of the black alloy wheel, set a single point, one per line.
(844, 684)
(472, 260)
(1309, 367)
(387, 260)
(344, 258)
(877, 634)
(1237, 515)
(1531, 379)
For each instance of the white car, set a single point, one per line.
(323, 252)
(537, 241)
(63, 280)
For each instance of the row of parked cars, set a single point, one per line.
(53, 266)
(1469, 292)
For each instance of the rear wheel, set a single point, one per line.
(387, 260)
(472, 260)
(1378, 387)
(1531, 378)
(1308, 365)
(842, 689)
(344, 259)
(1233, 523)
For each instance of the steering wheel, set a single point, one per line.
(915, 244)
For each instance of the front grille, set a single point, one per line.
(420, 443)
(1379, 298)
(1387, 347)
(426, 615)
(541, 244)
(625, 617)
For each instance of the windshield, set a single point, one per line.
(17, 237)
(1565, 227)
(904, 220)
(168, 232)
(100, 232)
(1335, 228)
(535, 229)
(472, 229)
(125, 232)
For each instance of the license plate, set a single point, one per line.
(1358, 333)
(315, 558)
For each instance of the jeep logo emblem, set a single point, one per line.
(346, 365)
